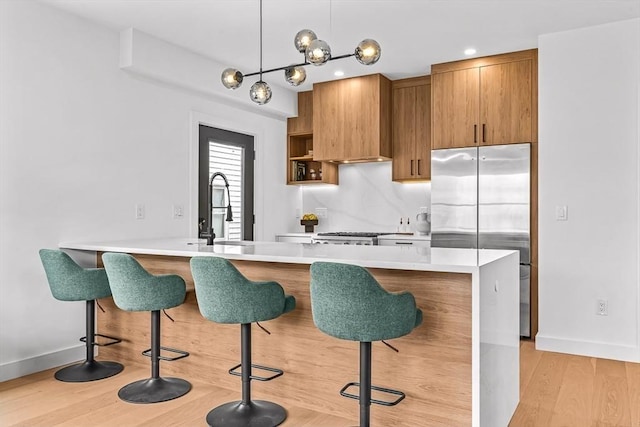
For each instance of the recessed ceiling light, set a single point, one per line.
(469, 51)
(339, 73)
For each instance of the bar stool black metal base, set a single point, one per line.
(256, 413)
(89, 370)
(154, 390)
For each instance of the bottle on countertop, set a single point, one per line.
(401, 226)
(407, 228)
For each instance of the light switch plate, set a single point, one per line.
(140, 211)
(562, 213)
(178, 212)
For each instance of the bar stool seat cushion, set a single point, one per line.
(70, 282)
(135, 289)
(232, 298)
(360, 309)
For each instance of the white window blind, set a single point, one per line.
(228, 160)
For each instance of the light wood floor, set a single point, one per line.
(565, 390)
(556, 390)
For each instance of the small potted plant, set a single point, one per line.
(309, 221)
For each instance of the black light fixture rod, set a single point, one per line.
(261, 72)
(348, 55)
(260, 39)
(274, 69)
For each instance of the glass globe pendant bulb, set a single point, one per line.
(260, 93)
(303, 38)
(318, 52)
(368, 52)
(295, 76)
(232, 78)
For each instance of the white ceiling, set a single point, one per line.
(413, 33)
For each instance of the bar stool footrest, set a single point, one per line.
(112, 340)
(181, 354)
(278, 372)
(401, 395)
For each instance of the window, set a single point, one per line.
(232, 154)
(227, 159)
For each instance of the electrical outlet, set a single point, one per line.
(178, 212)
(322, 213)
(562, 213)
(140, 211)
(602, 308)
(298, 213)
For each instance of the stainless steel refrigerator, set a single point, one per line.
(480, 199)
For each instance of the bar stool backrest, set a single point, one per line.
(225, 295)
(135, 289)
(347, 302)
(70, 282)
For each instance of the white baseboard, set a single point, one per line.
(20, 368)
(588, 348)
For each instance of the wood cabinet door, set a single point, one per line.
(303, 123)
(365, 117)
(404, 132)
(455, 107)
(327, 121)
(351, 118)
(506, 103)
(423, 132)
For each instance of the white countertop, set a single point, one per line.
(409, 258)
(301, 234)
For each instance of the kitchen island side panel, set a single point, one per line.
(433, 366)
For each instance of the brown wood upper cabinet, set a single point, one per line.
(485, 101)
(302, 169)
(303, 124)
(352, 119)
(411, 129)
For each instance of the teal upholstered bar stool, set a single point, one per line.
(347, 302)
(70, 282)
(135, 289)
(225, 296)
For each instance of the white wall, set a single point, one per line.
(365, 200)
(81, 142)
(589, 108)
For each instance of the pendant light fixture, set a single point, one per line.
(316, 52)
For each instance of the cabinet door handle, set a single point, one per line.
(475, 134)
(418, 166)
(404, 243)
(412, 167)
(484, 139)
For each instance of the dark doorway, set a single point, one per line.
(231, 153)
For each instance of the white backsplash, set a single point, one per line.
(365, 200)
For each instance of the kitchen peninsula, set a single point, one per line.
(459, 368)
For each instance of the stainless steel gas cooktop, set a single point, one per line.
(348, 238)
